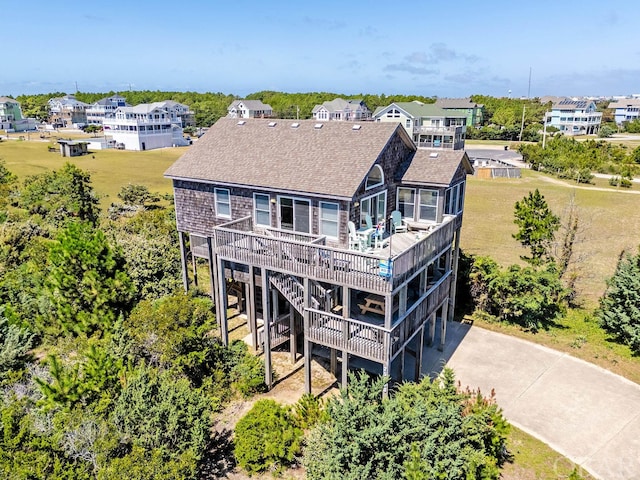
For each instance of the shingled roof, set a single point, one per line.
(330, 158)
(430, 167)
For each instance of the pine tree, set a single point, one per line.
(537, 226)
(619, 311)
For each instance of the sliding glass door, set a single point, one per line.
(295, 214)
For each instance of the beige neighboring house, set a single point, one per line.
(67, 111)
(626, 109)
(249, 109)
(342, 110)
(474, 111)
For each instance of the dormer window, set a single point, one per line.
(375, 177)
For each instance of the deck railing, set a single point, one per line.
(285, 252)
(409, 324)
(370, 341)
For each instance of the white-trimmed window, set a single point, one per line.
(454, 199)
(407, 202)
(375, 177)
(428, 205)
(223, 203)
(393, 113)
(375, 206)
(261, 209)
(329, 219)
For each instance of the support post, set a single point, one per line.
(402, 358)
(183, 261)
(345, 369)
(346, 309)
(253, 315)
(194, 267)
(443, 325)
(432, 328)
(454, 278)
(307, 343)
(212, 271)
(266, 334)
(386, 369)
(420, 348)
(222, 300)
(292, 334)
(333, 361)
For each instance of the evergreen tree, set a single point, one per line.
(537, 226)
(619, 311)
(87, 284)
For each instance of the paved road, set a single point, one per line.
(584, 412)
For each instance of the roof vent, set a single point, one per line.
(317, 126)
(295, 125)
(356, 127)
(433, 154)
(241, 122)
(272, 124)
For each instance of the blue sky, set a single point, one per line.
(434, 48)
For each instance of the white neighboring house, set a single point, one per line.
(342, 110)
(179, 113)
(574, 117)
(249, 109)
(104, 107)
(143, 127)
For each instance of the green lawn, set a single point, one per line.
(110, 169)
(611, 223)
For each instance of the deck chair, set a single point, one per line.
(366, 231)
(356, 242)
(396, 222)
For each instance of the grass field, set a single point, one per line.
(110, 169)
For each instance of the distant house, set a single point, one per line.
(474, 111)
(104, 107)
(249, 109)
(428, 125)
(11, 116)
(272, 209)
(143, 127)
(626, 109)
(342, 110)
(574, 117)
(67, 111)
(179, 113)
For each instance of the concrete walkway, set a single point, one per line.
(584, 412)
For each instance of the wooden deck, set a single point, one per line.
(379, 271)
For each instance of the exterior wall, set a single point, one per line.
(195, 209)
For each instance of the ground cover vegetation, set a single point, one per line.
(105, 365)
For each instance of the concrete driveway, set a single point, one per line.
(584, 412)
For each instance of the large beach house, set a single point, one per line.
(341, 238)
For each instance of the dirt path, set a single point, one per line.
(563, 183)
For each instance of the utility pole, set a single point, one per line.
(529, 90)
(522, 124)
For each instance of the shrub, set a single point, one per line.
(266, 438)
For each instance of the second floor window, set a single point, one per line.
(223, 203)
(262, 212)
(406, 202)
(428, 205)
(329, 219)
(375, 177)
